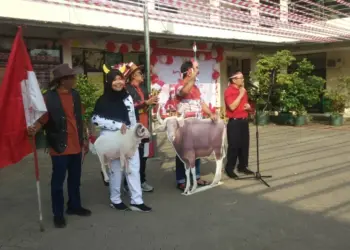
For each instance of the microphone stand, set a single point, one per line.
(258, 175)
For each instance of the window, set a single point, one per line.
(45, 55)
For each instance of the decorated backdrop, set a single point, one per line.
(170, 74)
(166, 62)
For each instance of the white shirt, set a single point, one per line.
(108, 124)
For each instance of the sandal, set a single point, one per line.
(201, 182)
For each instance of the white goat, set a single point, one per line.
(114, 145)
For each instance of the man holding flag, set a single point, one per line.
(64, 130)
(22, 106)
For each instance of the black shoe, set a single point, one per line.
(140, 208)
(231, 174)
(80, 211)
(245, 171)
(59, 222)
(121, 206)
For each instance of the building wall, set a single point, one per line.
(343, 70)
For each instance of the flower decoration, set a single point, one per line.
(215, 75)
(136, 46)
(124, 49)
(169, 60)
(110, 47)
(153, 59)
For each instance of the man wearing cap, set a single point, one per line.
(237, 108)
(190, 104)
(64, 131)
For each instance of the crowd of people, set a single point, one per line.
(125, 102)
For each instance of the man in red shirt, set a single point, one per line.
(63, 125)
(237, 108)
(191, 104)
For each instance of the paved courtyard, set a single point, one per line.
(306, 207)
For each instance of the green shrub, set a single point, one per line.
(89, 94)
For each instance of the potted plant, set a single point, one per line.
(261, 114)
(269, 74)
(89, 93)
(300, 90)
(338, 100)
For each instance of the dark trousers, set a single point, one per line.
(60, 165)
(143, 162)
(238, 144)
(180, 170)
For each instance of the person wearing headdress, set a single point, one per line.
(63, 125)
(142, 101)
(113, 111)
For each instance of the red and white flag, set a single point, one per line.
(21, 104)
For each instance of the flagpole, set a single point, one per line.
(147, 54)
(37, 177)
(194, 48)
(153, 138)
(36, 161)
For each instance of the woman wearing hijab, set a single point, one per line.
(113, 111)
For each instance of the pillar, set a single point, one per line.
(214, 16)
(67, 54)
(284, 10)
(151, 5)
(254, 12)
(223, 81)
(253, 62)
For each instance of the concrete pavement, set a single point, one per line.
(306, 207)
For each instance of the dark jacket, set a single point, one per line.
(138, 104)
(56, 127)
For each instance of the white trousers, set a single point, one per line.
(133, 179)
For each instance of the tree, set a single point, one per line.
(283, 91)
(89, 94)
(270, 71)
(338, 96)
(302, 89)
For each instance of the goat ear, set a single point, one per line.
(137, 129)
